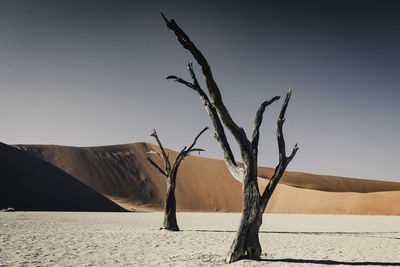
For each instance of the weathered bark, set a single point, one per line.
(170, 222)
(246, 243)
(170, 173)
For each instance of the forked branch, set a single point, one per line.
(164, 155)
(168, 171)
(283, 160)
(196, 150)
(157, 167)
(257, 123)
(186, 151)
(219, 133)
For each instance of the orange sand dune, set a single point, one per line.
(288, 199)
(331, 183)
(122, 173)
(29, 183)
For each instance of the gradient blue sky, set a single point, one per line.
(87, 73)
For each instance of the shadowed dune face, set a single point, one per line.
(29, 183)
(115, 171)
(123, 174)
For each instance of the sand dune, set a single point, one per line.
(331, 183)
(119, 172)
(122, 174)
(288, 199)
(29, 183)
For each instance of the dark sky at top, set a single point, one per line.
(93, 73)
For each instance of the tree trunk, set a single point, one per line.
(246, 244)
(170, 208)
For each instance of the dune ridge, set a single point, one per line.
(122, 173)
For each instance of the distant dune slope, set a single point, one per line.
(122, 173)
(31, 184)
(288, 199)
(331, 183)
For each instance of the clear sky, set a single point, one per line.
(87, 73)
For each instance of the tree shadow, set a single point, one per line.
(212, 231)
(354, 234)
(360, 234)
(326, 233)
(332, 262)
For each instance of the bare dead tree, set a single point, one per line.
(246, 243)
(170, 172)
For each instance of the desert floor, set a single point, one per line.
(134, 239)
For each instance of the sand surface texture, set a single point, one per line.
(133, 239)
(122, 173)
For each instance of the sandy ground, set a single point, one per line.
(133, 239)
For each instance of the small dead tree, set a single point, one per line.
(246, 243)
(170, 172)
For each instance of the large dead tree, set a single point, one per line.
(170, 172)
(246, 243)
